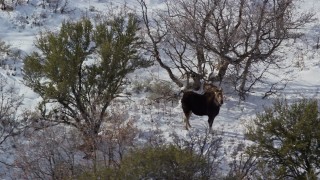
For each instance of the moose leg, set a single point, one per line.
(186, 119)
(210, 121)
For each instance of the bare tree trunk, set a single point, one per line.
(3, 5)
(242, 91)
(222, 71)
(201, 59)
(280, 15)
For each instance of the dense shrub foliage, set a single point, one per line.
(80, 70)
(287, 139)
(163, 162)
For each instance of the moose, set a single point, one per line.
(202, 104)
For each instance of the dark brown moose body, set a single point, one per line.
(202, 104)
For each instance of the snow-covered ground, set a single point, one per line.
(19, 28)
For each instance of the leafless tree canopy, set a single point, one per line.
(202, 36)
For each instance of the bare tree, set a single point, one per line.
(49, 153)
(243, 166)
(228, 36)
(206, 144)
(58, 152)
(117, 137)
(12, 122)
(10, 102)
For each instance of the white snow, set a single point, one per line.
(18, 29)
